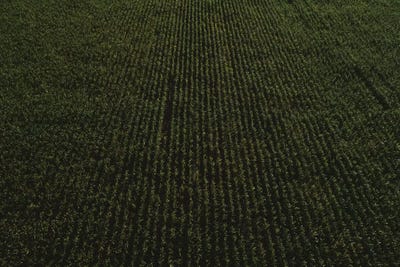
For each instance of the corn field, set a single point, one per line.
(199, 133)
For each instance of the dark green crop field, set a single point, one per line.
(200, 132)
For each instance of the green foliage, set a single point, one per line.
(244, 133)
